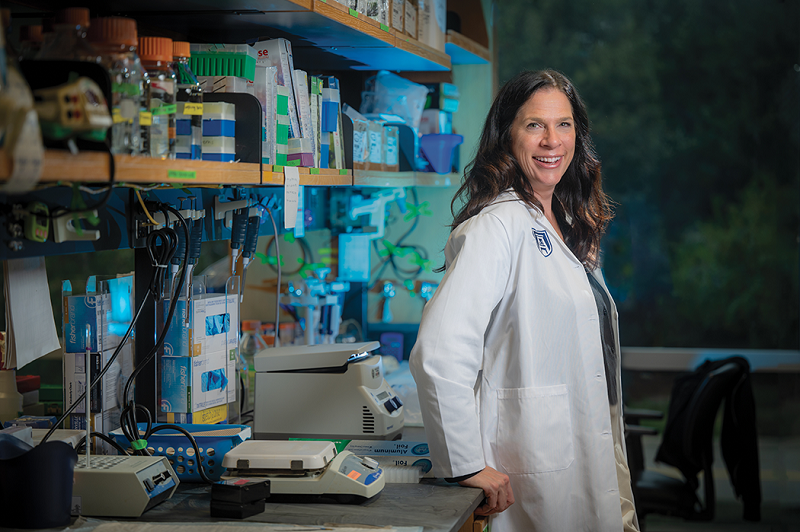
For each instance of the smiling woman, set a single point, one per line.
(543, 143)
(519, 343)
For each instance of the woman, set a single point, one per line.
(517, 358)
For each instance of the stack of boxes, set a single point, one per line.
(198, 366)
(184, 147)
(282, 126)
(219, 132)
(108, 314)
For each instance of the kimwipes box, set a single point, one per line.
(395, 453)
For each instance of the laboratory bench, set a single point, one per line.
(433, 504)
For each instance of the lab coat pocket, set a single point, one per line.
(534, 429)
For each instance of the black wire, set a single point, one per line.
(128, 420)
(82, 443)
(169, 426)
(389, 261)
(308, 255)
(168, 320)
(112, 170)
(108, 365)
(245, 396)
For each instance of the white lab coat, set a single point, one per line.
(510, 374)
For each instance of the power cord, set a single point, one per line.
(128, 420)
(278, 290)
(61, 211)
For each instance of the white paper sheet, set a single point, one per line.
(291, 191)
(29, 317)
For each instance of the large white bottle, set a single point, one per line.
(10, 398)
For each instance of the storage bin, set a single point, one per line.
(213, 441)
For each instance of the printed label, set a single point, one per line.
(181, 174)
(145, 118)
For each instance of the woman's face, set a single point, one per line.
(543, 139)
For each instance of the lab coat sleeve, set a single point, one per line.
(448, 354)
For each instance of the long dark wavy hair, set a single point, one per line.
(581, 207)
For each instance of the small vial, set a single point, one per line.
(158, 136)
(115, 40)
(68, 39)
(188, 91)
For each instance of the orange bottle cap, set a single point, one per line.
(155, 49)
(181, 49)
(113, 30)
(74, 16)
(31, 33)
(248, 325)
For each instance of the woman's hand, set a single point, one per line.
(497, 488)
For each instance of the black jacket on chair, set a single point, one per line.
(738, 440)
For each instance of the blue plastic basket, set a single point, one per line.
(214, 441)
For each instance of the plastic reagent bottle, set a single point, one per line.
(30, 41)
(115, 39)
(189, 91)
(68, 39)
(158, 123)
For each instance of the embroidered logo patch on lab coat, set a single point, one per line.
(543, 241)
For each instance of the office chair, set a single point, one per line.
(689, 449)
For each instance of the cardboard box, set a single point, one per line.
(191, 384)
(215, 326)
(80, 311)
(107, 394)
(107, 313)
(398, 15)
(432, 22)
(410, 22)
(395, 453)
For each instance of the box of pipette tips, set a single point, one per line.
(395, 454)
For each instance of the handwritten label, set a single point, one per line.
(191, 108)
(169, 109)
(291, 194)
(181, 174)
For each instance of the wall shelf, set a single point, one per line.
(92, 167)
(368, 178)
(309, 176)
(317, 29)
(464, 51)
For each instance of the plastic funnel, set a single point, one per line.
(438, 150)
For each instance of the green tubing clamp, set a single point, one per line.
(138, 445)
